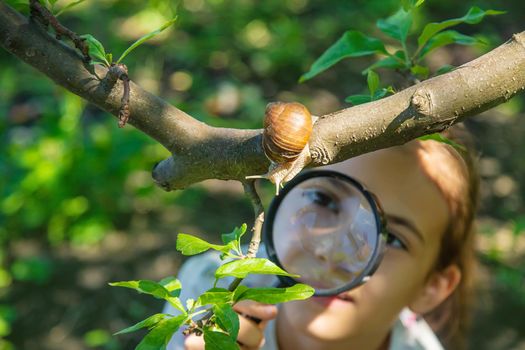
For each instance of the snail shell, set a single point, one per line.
(287, 129)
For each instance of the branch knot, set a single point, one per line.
(422, 102)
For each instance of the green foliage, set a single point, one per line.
(398, 27)
(473, 16)
(376, 93)
(244, 267)
(273, 295)
(150, 287)
(222, 328)
(227, 319)
(218, 340)
(148, 323)
(68, 7)
(351, 44)
(191, 245)
(146, 37)
(446, 38)
(32, 269)
(97, 50)
(161, 333)
(97, 337)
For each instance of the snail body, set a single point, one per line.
(286, 131)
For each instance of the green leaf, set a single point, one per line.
(445, 69)
(420, 71)
(172, 285)
(109, 58)
(448, 37)
(372, 80)
(98, 62)
(395, 61)
(236, 234)
(215, 296)
(161, 334)
(397, 25)
(473, 16)
(147, 323)
(146, 287)
(176, 303)
(410, 4)
(382, 93)
(19, 5)
(218, 341)
(191, 245)
(244, 267)
(358, 99)
(275, 295)
(351, 44)
(96, 49)
(68, 7)
(227, 319)
(440, 138)
(145, 38)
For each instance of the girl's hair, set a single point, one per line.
(455, 173)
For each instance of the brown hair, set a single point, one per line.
(456, 175)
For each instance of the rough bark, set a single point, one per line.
(202, 152)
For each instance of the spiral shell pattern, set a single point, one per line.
(287, 129)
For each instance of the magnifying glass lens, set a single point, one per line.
(325, 230)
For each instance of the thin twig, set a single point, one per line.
(251, 192)
(120, 71)
(41, 13)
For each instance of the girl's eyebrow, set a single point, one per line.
(408, 224)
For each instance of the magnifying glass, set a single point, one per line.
(327, 228)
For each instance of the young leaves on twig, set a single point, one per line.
(97, 51)
(398, 26)
(146, 37)
(68, 7)
(221, 325)
(376, 93)
(351, 44)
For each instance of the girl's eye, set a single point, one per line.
(321, 199)
(394, 242)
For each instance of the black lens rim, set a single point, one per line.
(376, 209)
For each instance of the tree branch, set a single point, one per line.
(202, 152)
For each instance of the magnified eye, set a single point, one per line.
(321, 199)
(394, 242)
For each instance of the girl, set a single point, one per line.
(428, 192)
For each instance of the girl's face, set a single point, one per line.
(416, 215)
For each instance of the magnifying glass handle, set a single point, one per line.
(251, 318)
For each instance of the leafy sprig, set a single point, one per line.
(98, 52)
(409, 62)
(220, 327)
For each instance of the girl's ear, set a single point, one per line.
(438, 287)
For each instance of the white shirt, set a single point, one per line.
(198, 273)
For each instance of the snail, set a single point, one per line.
(286, 131)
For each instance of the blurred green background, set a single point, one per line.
(78, 207)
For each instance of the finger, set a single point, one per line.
(250, 335)
(251, 309)
(194, 342)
